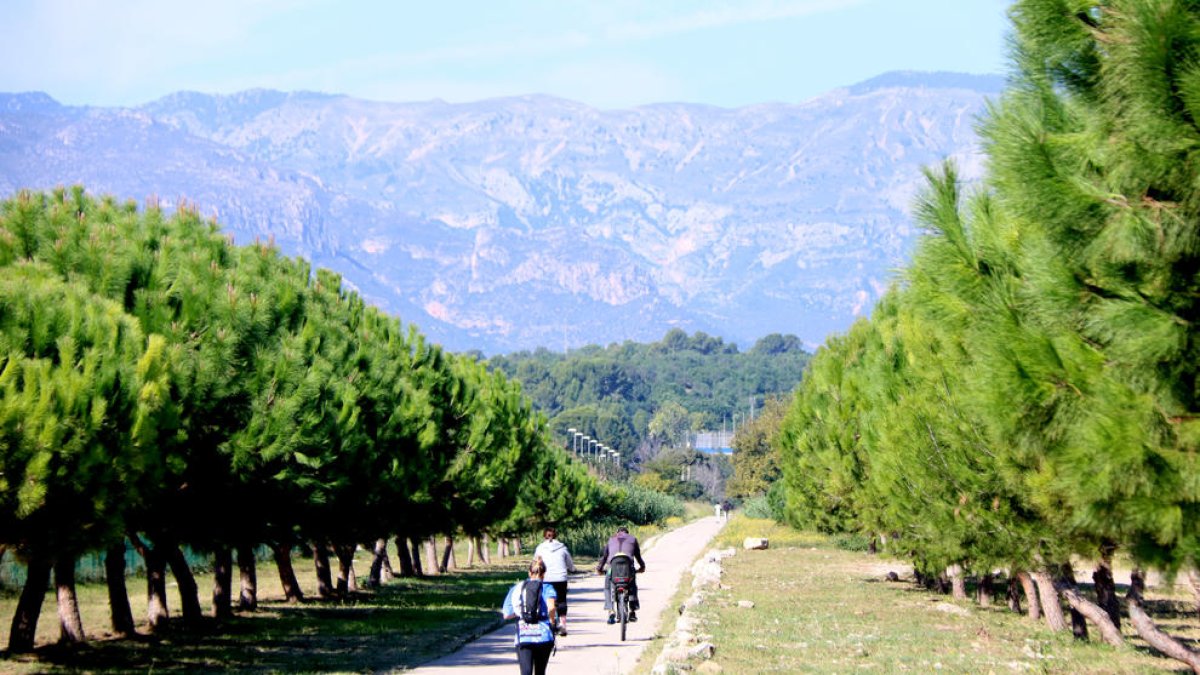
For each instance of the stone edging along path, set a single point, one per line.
(687, 644)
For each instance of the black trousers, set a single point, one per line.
(533, 657)
(560, 603)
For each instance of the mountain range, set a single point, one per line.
(534, 221)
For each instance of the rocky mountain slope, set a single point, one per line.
(535, 221)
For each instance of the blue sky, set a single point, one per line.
(607, 53)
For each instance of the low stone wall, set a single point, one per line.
(688, 647)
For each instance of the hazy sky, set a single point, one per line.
(608, 53)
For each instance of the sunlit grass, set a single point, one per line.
(818, 608)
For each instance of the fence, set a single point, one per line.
(90, 566)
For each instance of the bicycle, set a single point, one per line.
(621, 578)
(621, 605)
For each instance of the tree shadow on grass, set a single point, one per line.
(399, 625)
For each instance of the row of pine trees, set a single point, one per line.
(162, 386)
(1028, 390)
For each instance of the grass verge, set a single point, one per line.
(402, 624)
(818, 608)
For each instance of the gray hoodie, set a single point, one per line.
(557, 559)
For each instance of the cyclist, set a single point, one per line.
(621, 543)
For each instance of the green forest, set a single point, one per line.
(614, 392)
(1027, 391)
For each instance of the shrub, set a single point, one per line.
(759, 507)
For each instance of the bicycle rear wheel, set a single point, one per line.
(623, 612)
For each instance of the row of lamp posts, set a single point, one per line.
(591, 450)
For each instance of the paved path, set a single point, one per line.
(592, 645)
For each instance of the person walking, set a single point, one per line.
(621, 543)
(531, 602)
(558, 565)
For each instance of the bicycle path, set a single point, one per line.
(592, 645)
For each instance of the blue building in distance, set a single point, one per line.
(714, 442)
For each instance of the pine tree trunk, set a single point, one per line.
(1193, 577)
(118, 595)
(404, 557)
(287, 575)
(388, 573)
(484, 555)
(1097, 614)
(29, 607)
(1051, 607)
(432, 556)
(69, 622)
(157, 613)
(346, 582)
(324, 575)
(1106, 588)
(1031, 595)
(941, 584)
(222, 593)
(958, 584)
(1065, 580)
(448, 556)
(248, 571)
(1014, 595)
(415, 549)
(471, 552)
(516, 546)
(375, 574)
(983, 592)
(502, 548)
(189, 592)
(1149, 632)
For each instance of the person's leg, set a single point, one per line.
(560, 604)
(634, 605)
(525, 659)
(541, 656)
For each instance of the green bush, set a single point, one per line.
(759, 507)
(851, 541)
(631, 504)
(586, 539)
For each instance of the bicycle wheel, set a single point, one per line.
(623, 612)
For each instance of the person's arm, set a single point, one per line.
(637, 555)
(549, 595)
(603, 559)
(570, 562)
(507, 610)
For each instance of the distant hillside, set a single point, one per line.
(533, 221)
(611, 393)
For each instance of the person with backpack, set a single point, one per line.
(558, 564)
(531, 603)
(621, 544)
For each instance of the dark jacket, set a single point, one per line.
(621, 542)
